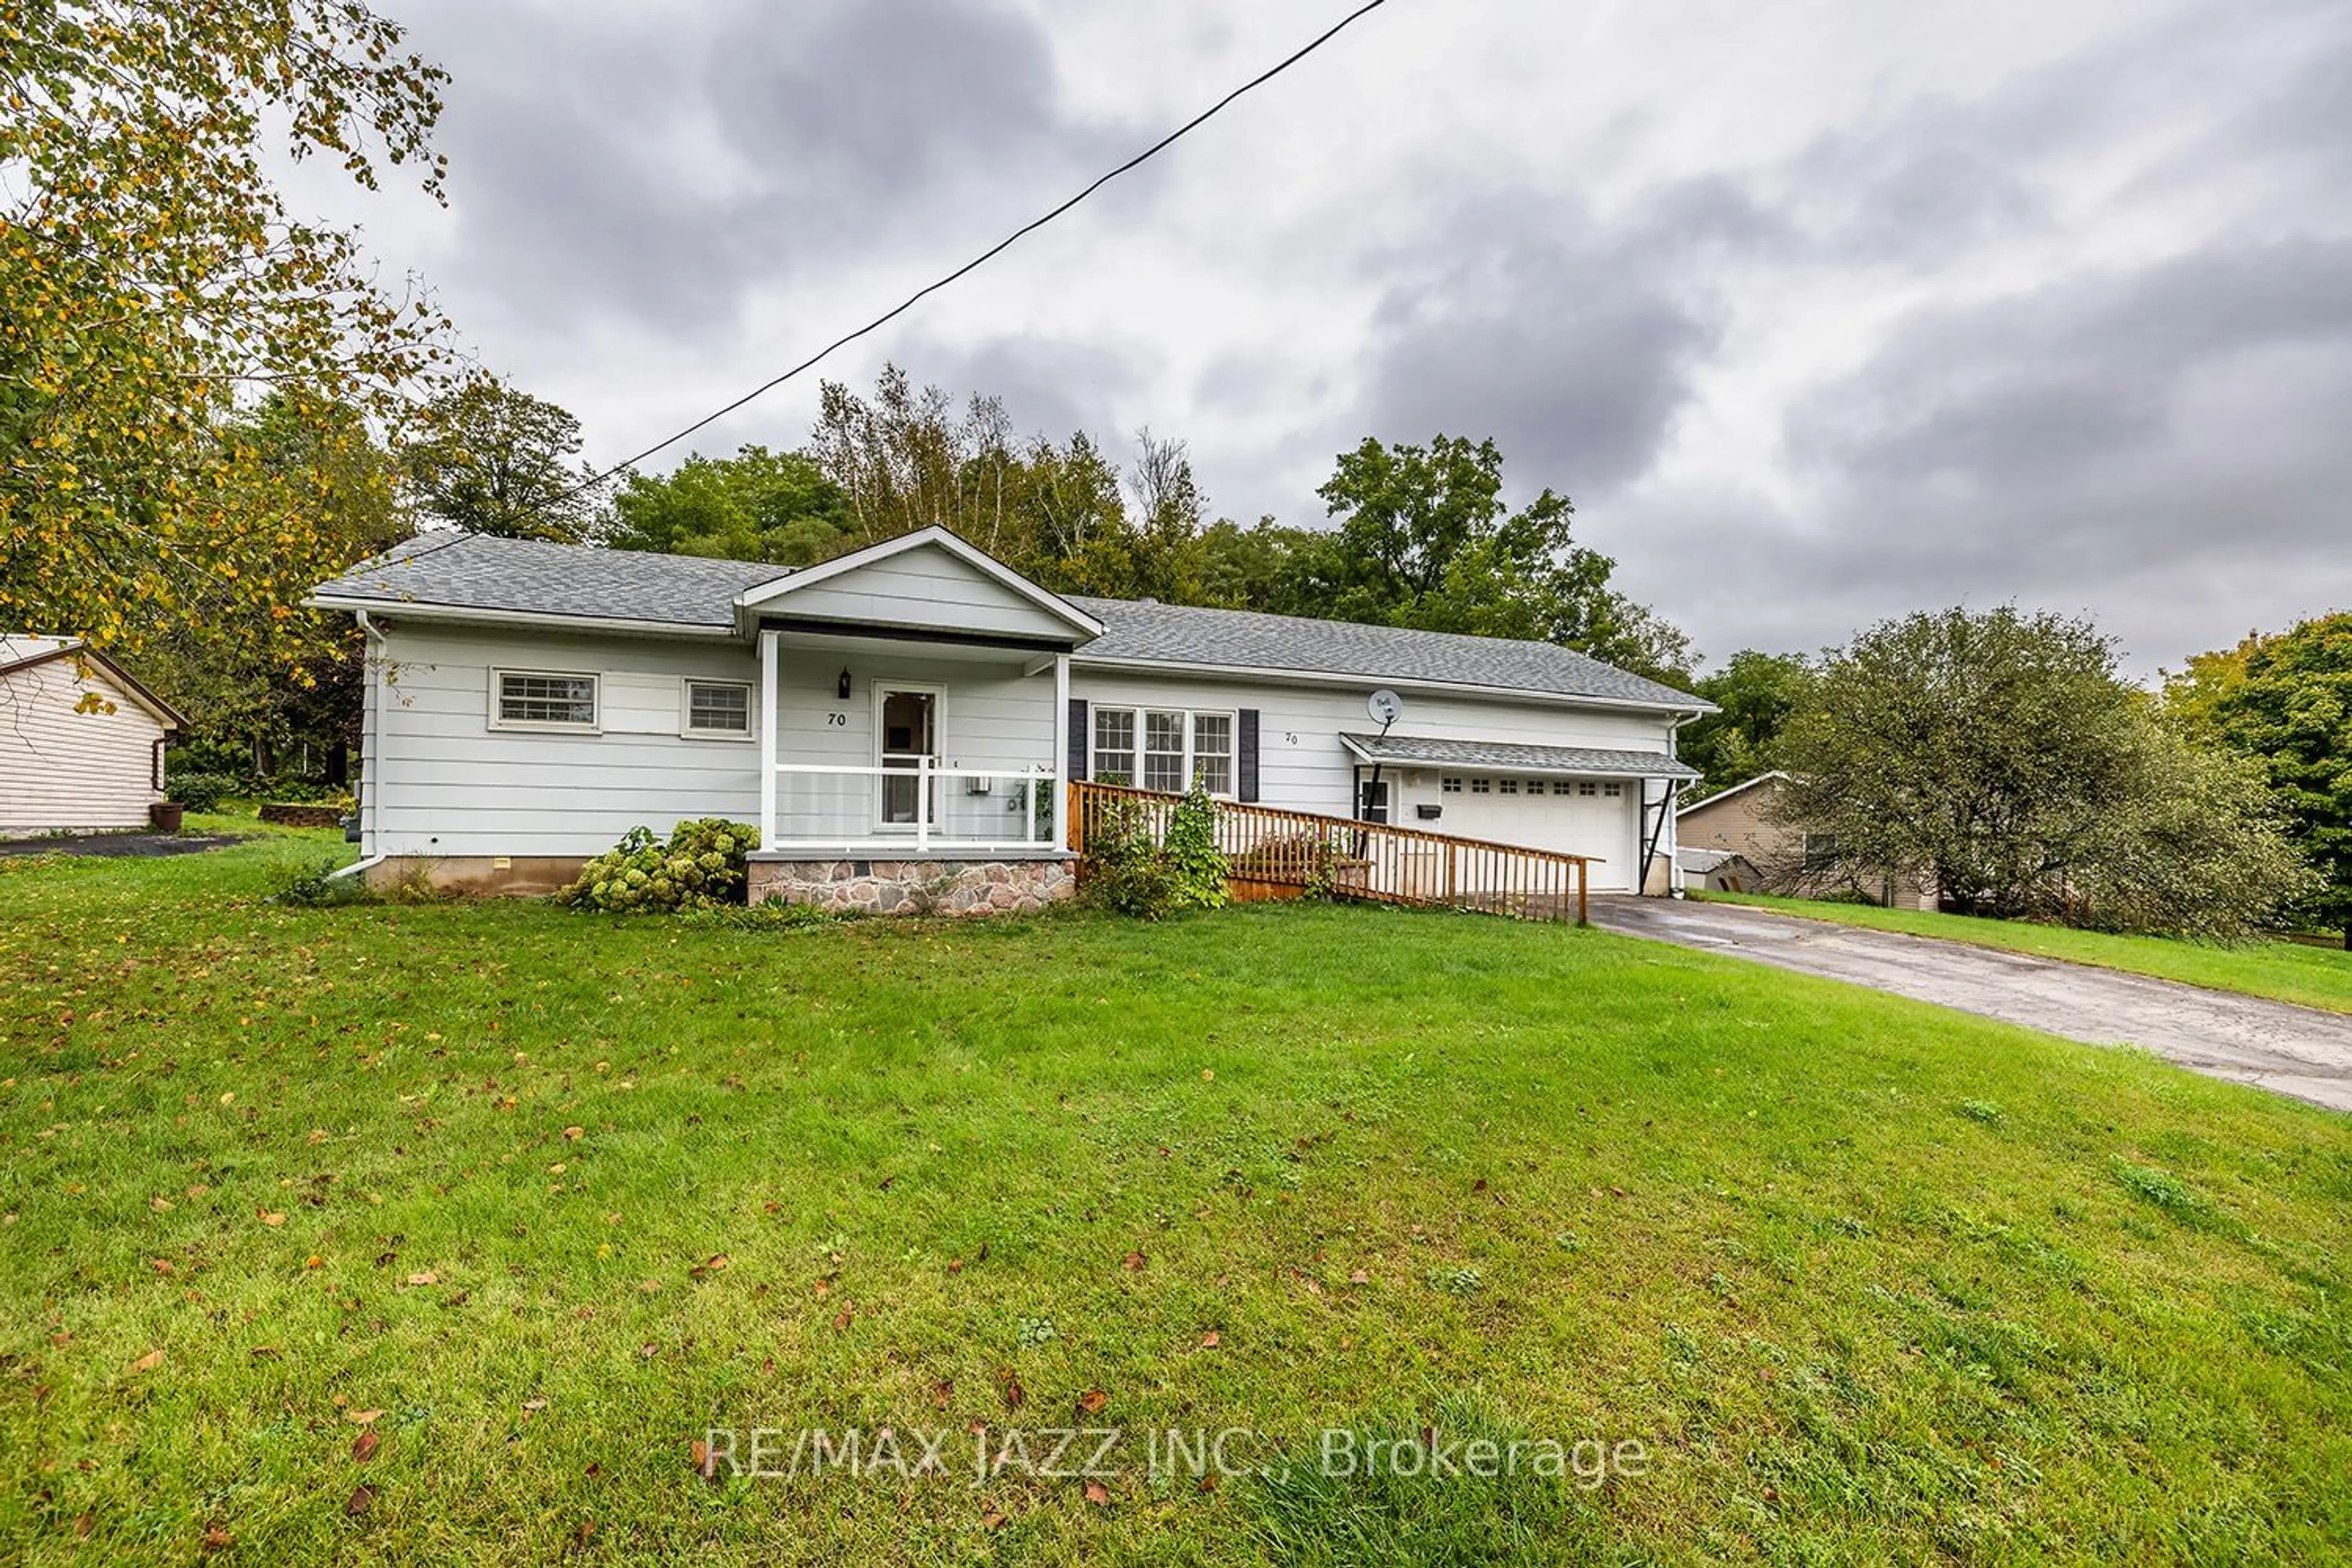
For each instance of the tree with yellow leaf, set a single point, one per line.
(156, 291)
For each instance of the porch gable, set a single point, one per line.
(929, 582)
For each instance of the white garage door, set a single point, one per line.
(1601, 818)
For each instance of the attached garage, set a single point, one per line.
(1604, 805)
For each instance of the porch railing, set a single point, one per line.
(1376, 862)
(911, 805)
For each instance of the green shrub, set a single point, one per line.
(1195, 865)
(702, 866)
(200, 792)
(318, 887)
(1126, 872)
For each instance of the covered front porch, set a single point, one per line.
(913, 723)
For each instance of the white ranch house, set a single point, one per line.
(910, 711)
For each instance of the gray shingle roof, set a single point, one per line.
(1245, 639)
(477, 571)
(1408, 751)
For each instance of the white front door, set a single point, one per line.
(908, 729)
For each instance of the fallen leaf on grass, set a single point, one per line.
(1014, 1395)
(718, 1263)
(705, 1461)
(1097, 1494)
(1133, 1262)
(955, 1264)
(425, 1277)
(841, 1319)
(362, 1417)
(573, 1135)
(84, 1524)
(271, 1218)
(149, 1362)
(992, 1520)
(364, 1445)
(1209, 1340)
(363, 1496)
(534, 1404)
(1092, 1400)
(1361, 1276)
(216, 1539)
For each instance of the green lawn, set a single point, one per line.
(535, 1199)
(2284, 971)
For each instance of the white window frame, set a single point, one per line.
(1137, 710)
(685, 726)
(498, 721)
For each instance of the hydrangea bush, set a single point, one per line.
(701, 868)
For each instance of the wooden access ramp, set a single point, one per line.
(1274, 853)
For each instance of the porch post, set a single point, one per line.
(767, 740)
(1061, 750)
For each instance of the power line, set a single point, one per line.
(993, 251)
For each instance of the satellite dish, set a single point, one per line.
(1384, 706)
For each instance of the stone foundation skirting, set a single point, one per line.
(915, 886)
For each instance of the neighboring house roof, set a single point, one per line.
(1408, 750)
(528, 579)
(477, 577)
(1141, 632)
(1690, 857)
(1722, 795)
(24, 650)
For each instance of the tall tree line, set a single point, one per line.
(1420, 536)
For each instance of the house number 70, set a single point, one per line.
(838, 720)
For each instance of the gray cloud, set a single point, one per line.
(1572, 343)
(663, 174)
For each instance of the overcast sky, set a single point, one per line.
(1821, 312)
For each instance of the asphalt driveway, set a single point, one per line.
(2293, 1050)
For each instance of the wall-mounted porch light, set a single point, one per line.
(842, 688)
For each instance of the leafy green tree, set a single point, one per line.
(154, 281)
(261, 682)
(1999, 757)
(1758, 693)
(490, 458)
(757, 505)
(2287, 701)
(1426, 540)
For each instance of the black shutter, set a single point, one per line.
(1074, 765)
(1245, 756)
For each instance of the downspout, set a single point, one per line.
(368, 707)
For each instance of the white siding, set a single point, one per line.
(64, 769)
(1302, 765)
(441, 782)
(926, 586)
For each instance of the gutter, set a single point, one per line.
(1689, 707)
(422, 611)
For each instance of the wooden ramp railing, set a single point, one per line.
(1266, 848)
